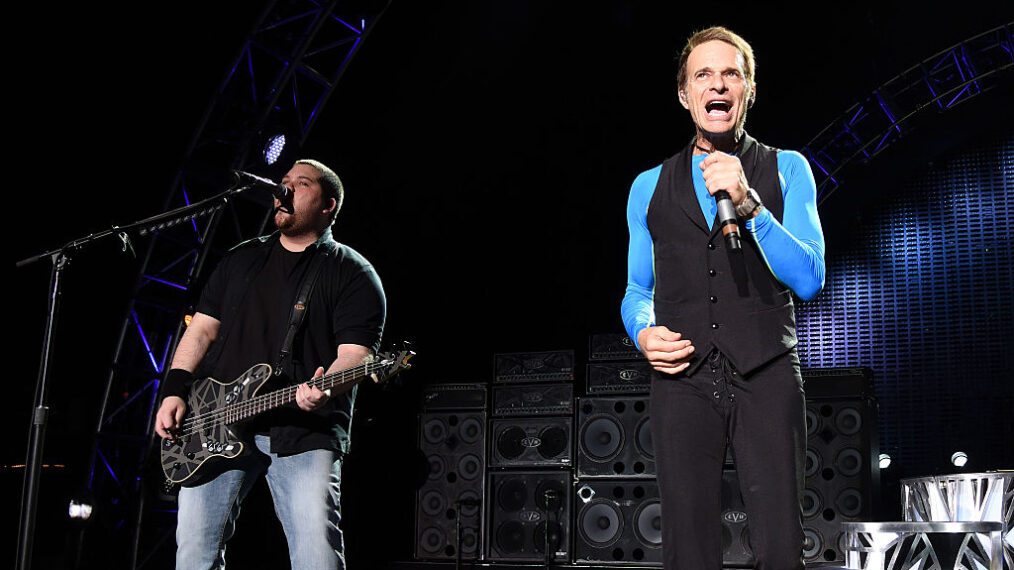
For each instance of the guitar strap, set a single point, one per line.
(299, 307)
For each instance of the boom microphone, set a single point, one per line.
(280, 191)
(727, 220)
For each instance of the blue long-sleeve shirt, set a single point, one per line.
(792, 249)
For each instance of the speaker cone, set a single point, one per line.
(811, 503)
(644, 439)
(554, 442)
(437, 467)
(508, 443)
(849, 503)
(511, 496)
(469, 467)
(848, 421)
(433, 503)
(849, 462)
(813, 543)
(432, 540)
(549, 495)
(472, 509)
(602, 438)
(470, 430)
(812, 423)
(600, 523)
(435, 431)
(550, 531)
(510, 537)
(648, 523)
(812, 463)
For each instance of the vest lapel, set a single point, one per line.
(682, 178)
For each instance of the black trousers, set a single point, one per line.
(763, 416)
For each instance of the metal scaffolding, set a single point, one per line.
(935, 85)
(286, 70)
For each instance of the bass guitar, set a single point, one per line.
(209, 431)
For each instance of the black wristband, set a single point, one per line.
(177, 383)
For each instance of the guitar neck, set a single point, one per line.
(278, 398)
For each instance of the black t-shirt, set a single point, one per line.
(252, 291)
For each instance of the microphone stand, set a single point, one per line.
(60, 257)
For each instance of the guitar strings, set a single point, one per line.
(242, 410)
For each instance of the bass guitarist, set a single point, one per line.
(299, 301)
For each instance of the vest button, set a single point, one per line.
(714, 325)
(712, 272)
(711, 245)
(713, 299)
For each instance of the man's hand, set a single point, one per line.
(725, 172)
(310, 397)
(169, 415)
(665, 350)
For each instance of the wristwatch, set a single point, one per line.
(749, 206)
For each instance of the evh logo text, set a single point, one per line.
(629, 375)
(734, 516)
(532, 396)
(530, 516)
(531, 441)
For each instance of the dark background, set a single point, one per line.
(486, 148)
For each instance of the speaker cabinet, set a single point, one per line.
(454, 446)
(842, 473)
(531, 442)
(614, 438)
(618, 522)
(529, 516)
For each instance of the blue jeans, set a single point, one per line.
(306, 491)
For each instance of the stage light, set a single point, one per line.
(959, 459)
(273, 149)
(79, 510)
(885, 461)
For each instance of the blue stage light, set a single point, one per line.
(273, 149)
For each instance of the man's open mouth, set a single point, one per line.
(718, 108)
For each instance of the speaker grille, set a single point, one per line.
(454, 446)
(527, 508)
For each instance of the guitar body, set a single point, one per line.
(209, 429)
(213, 435)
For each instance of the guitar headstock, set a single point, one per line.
(392, 363)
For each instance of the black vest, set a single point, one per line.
(715, 297)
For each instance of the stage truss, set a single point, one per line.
(934, 85)
(284, 74)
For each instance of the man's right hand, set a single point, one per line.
(169, 415)
(666, 351)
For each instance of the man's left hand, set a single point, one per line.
(725, 172)
(310, 397)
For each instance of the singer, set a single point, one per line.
(245, 316)
(716, 321)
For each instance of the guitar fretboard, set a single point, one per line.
(248, 408)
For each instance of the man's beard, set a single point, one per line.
(283, 220)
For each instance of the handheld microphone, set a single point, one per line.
(279, 191)
(727, 220)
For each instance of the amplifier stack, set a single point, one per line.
(618, 514)
(538, 474)
(531, 455)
